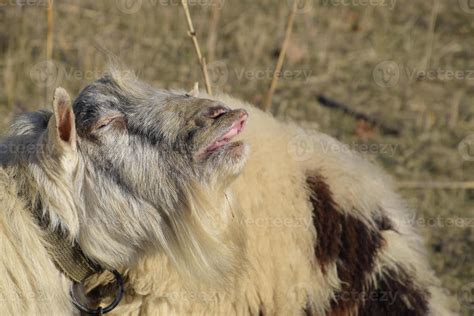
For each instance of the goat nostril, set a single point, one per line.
(217, 112)
(243, 115)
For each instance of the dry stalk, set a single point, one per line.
(212, 39)
(192, 34)
(49, 42)
(49, 36)
(281, 58)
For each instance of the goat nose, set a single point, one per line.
(216, 111)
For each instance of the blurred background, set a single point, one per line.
(408, 64)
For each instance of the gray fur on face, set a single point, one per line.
(143, 180)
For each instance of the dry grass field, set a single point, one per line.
(409, 63)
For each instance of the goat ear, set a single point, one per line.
(64, 121)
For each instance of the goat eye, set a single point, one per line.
(101, 126)
(104, 123)
(117, 121)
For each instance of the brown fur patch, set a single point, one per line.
(326, 221)
(395, 295)
(345, 240)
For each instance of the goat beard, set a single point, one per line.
(205, 239)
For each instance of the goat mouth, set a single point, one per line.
(224, 140)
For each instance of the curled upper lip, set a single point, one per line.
(230, 132)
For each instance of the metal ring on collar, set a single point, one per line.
(101, 310)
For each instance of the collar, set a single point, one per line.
(75, 265)
(69, 258)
